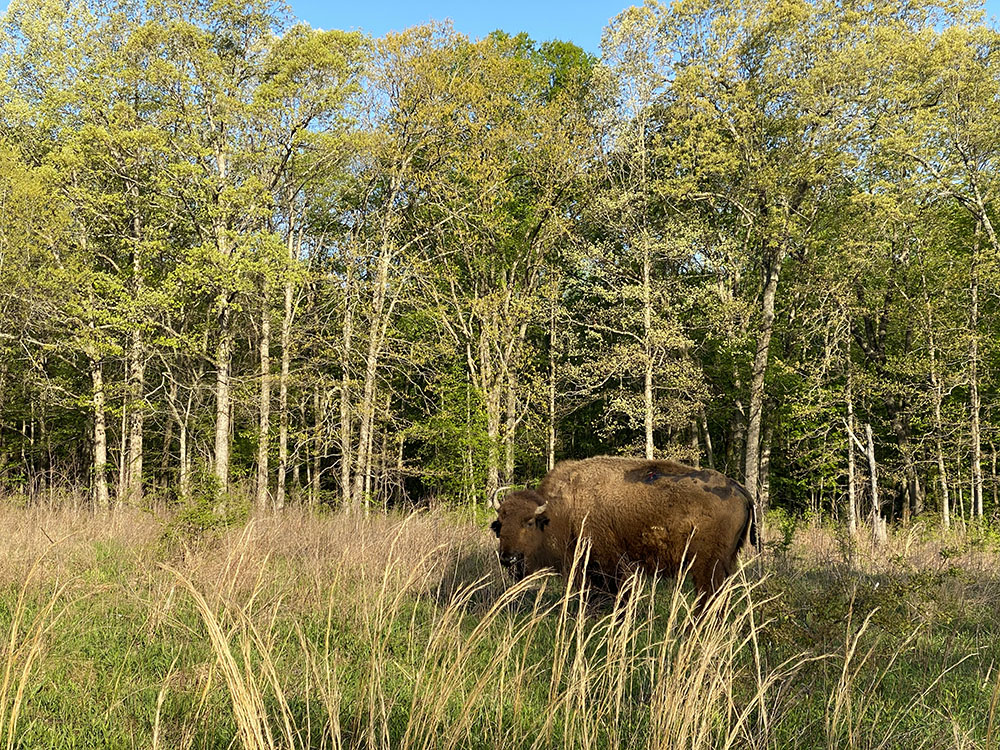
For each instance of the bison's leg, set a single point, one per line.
(708, 575)
(607, 582)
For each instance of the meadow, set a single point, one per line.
(327, 630)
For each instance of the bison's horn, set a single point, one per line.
(541, 509)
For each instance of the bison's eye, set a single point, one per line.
(496, 527)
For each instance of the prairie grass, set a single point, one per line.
(302, 630)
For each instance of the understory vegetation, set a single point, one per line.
(298, 630)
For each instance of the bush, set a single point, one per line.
(207, 511)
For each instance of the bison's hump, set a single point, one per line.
(657, 472)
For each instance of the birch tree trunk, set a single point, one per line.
(491, 397)
(509, 367)
(345, 433)
(878, 524)
(362, 466)
(264, 432)
(286, 363)
(100, 486)
(162, 482)
(765, 466)
(993, 475)
(938, 387)
(852, 500)
(224, 348)
(510, 429)
(706, 436)
(976, 497)
(137, 365)
(752, 455)
(550, 443)
(184, 479)
(137, 369)
(647, 316)
(121, 489)
(223, 361)
(317, 452)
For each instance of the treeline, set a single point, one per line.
(756, 235)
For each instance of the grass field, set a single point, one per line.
(329, 631)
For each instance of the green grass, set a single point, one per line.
(334, 631)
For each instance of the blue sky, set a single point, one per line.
(579, 21)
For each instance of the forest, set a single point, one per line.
(247, 259)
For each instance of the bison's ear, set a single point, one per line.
(541, 517)
(496, 527)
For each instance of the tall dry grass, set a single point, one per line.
(534, 665)
(382, 632)
(22, 648)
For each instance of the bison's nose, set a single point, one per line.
(511, 558)
(514, 563)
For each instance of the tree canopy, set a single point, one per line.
(756, 235)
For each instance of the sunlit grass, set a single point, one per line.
(334, 631)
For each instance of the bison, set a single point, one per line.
(636, 513)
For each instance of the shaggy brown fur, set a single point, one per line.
(636, 513)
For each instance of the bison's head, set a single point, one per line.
(520, 527)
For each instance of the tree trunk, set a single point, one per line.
(490, 389)
(647, 324)
(470, 458)
(765, 466)
(345, 441)
(100, 486)
(224, 347)
(121, 489)
(264, 431)
(993, 450)
(362, 464)
(317, 453)
(493, 447)
(369, 488)
(752, 460)
(137, 371)
(706, 436)
(510, 430)
(695, 442)
(852, 500)
(184, 478)
(346, 451)
(938, 387)
(878, 524)
(223, 361)
(168, 438)
(976, 497)
(910, 484)
(286, 363)
(736, 443)
(942, 469)
(137, 365)
(550, 443)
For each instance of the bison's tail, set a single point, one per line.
(749, 530)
